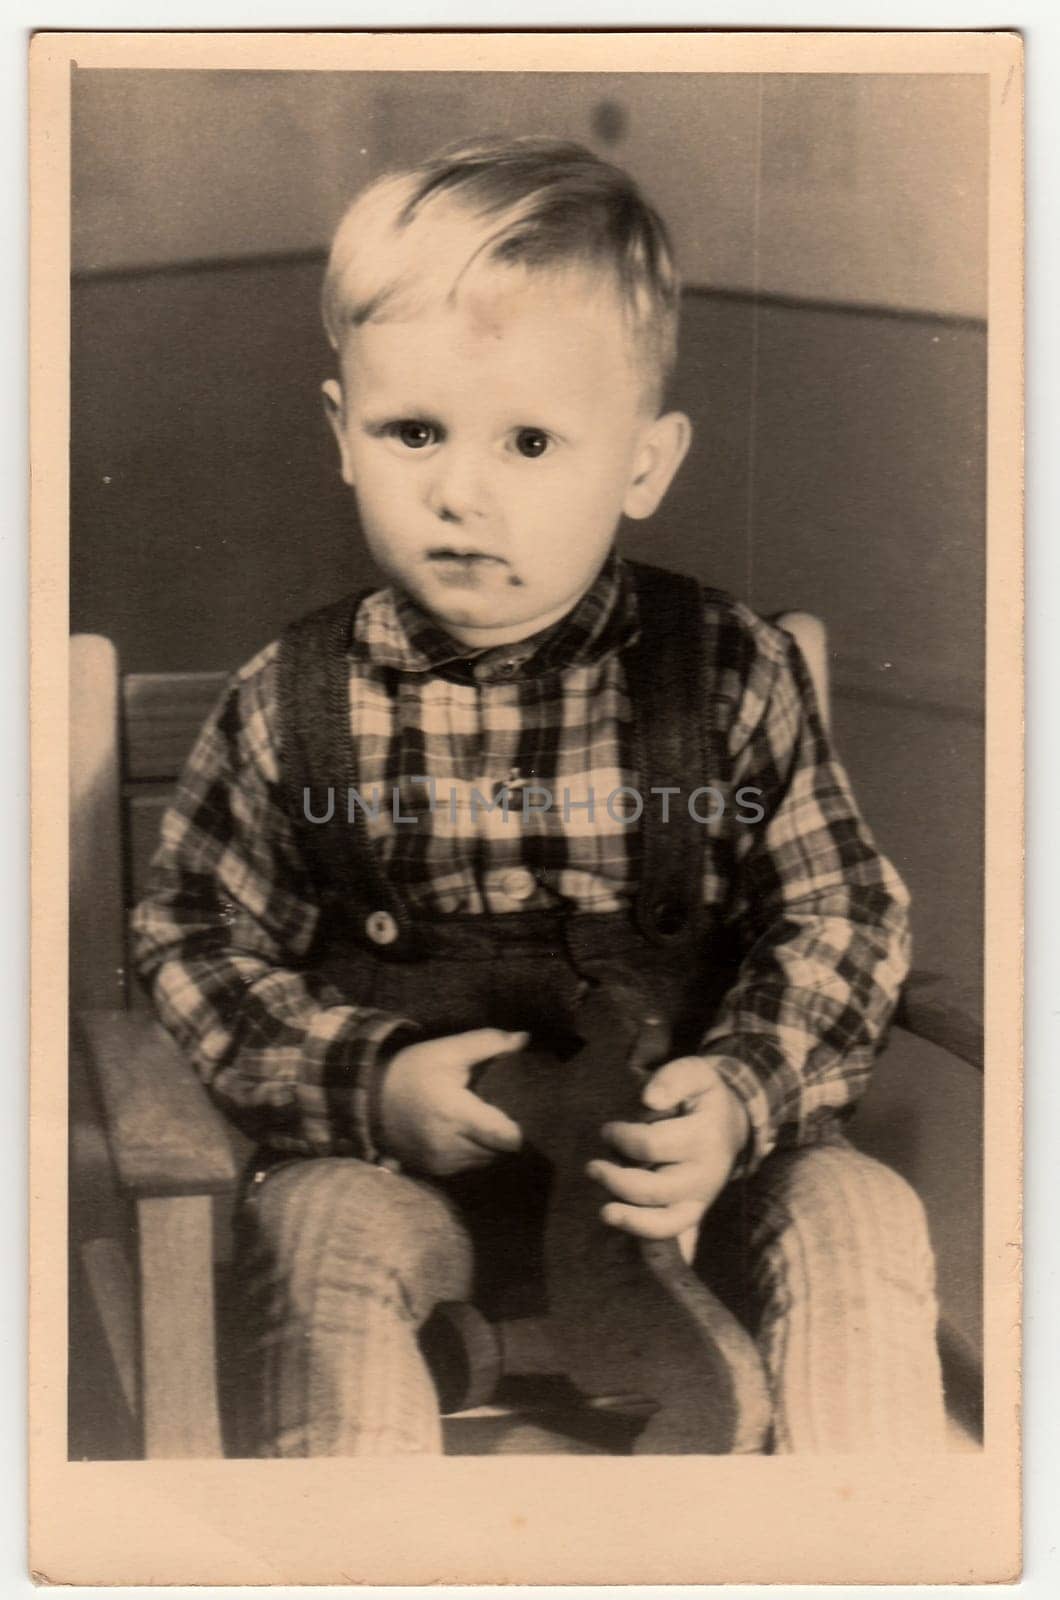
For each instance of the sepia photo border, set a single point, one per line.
(947, 1518)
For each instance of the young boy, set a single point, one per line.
(418, 825)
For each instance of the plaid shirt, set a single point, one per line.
(229, 917)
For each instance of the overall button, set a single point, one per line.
(381, 927)
(518, 883)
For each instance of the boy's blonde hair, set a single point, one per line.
(411, 237)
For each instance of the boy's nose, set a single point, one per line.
(458, 491)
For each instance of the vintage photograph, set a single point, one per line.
(531, 582)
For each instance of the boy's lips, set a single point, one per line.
(461, 565)
(462, 553)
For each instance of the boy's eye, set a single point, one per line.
(531, 442)
(412, 434)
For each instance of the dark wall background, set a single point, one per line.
(864, 188)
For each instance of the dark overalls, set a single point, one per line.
(343, 1260)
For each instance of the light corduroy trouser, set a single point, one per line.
(824, 1252)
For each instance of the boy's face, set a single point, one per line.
(493, 446)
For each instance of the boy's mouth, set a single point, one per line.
(460, 565)
(463, 555)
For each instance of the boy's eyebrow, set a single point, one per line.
(381, 414)
(388, 413)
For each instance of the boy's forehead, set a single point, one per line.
(559, 326)
(494, 297)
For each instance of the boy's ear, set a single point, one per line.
(335, 411)
(663, 446)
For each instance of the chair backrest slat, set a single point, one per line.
(143, 818)
(162, 713)
(129, 740)
(811, 636)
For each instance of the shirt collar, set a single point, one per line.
(394, 632)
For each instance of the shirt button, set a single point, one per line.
(488, 671)
(517, 883)
(381, 927)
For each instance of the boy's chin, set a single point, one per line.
(476, 616)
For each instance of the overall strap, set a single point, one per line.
(676, 746)
(318, 770)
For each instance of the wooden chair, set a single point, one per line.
(153, 1164)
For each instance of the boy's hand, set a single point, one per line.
(431, 1121)
(692, 1152)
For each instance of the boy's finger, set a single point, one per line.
(642, 1187)
(465, 1050)
(656, 1143)
(481, 1043)
(461, 1157)
(653, 1222)
(488, 1125)
(677, 1081)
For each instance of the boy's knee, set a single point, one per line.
(839, 1204)
(310, 1198)
(337, 1225)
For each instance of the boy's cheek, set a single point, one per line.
(384, 507)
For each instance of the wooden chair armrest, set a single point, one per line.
(944, 1013)
(165, 1136)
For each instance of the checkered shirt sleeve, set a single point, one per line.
(821, 914)
(221, 938)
